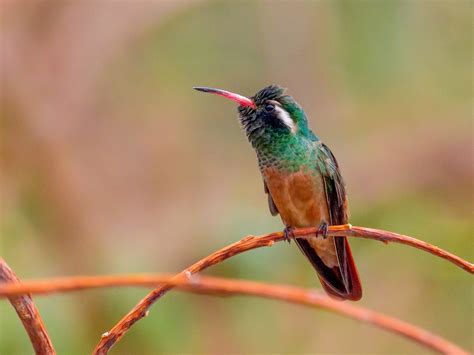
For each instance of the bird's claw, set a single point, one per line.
(322, 230)
(288, 234)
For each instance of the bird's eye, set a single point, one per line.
(269, 108)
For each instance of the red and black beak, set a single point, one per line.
(241, 100)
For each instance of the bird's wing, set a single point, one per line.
(338, 211)
(271, 204)
(334, 185)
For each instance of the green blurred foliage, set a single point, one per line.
(111, 163)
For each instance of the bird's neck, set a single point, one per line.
(287, 152)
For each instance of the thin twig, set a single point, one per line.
(28, 313)
(221, 286)
(252, 242)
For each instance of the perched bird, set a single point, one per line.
(302, 180)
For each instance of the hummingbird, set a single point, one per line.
(303, 183)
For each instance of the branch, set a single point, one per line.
(27, 312)
(252, 242)
(220, 286)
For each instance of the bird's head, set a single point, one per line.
(268, 114)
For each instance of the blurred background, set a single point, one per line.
(111, 163)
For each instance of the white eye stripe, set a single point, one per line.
(284, 117)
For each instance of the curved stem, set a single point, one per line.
(27, 312)
(252, 242)
(221, 286)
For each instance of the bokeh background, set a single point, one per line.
(111, 163)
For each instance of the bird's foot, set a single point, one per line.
(288, 234)
(322, 230)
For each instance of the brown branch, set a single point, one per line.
(220, 286)
(252, 242)
(27, 312)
